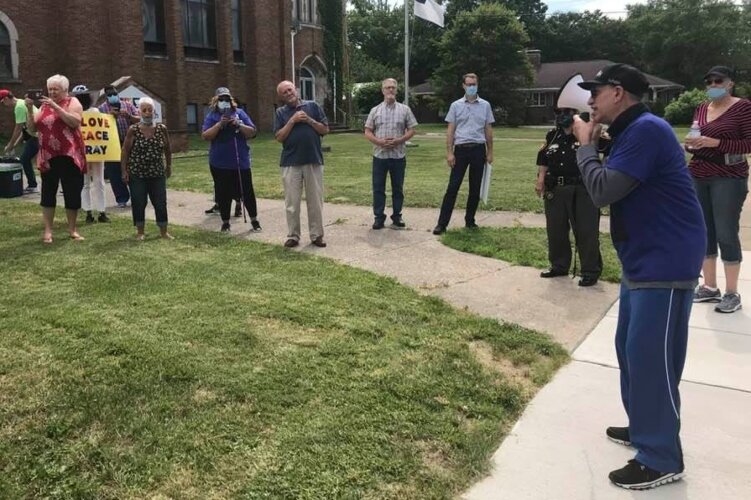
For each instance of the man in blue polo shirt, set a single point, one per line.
(657, 228)
(469, 143)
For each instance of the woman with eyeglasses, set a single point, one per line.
(62, 159)
(720, 170)
(229, 128)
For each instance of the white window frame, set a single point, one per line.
(311, 80)
(305, 11)
(13, 35)
(538, 99)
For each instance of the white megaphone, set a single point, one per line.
(572, 96)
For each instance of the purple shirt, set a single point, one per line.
(229, 149)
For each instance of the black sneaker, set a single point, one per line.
(256, 225)
(378, 224)
(212, 210)
(89, 218)
(103, 217)
(225, 227)
(619, 435)
(238, 210)
(635, 476)
(398, 223)
(439, 229)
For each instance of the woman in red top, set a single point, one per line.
(62, 157)
(720, 170)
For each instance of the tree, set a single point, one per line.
(680, 39)
(489, 41)
(375, 32)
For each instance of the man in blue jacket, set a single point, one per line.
(658, 231)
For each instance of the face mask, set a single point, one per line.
(113, 99)
(715, 93)
(471, 90)
(565, 121)
(223, 105)
(147, 120)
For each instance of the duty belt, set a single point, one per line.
(562, 180)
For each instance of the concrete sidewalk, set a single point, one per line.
(558, 449)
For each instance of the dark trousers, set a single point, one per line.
(30, 150)
(155, 188)
(230, 184)
(474, 158)
(650, 342)
(119, 188)
(395, 168)
(571, 208)
(63, 172)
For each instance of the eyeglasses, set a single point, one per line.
(716, 81)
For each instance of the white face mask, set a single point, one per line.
(223, 105)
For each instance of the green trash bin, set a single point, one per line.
(11, 177)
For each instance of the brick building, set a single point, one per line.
(179, 50)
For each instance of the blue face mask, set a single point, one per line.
(715, 93)
(113, 99)
(471, 90)
(223, 105)
(147, 120)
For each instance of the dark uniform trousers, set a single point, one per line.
(571, 208)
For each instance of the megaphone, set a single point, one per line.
(572, 96)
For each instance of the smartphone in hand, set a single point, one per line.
(35, 95)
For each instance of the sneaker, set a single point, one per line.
(89, 218)
(439, 229)
(225, 227)
(238, 210)
(103, 217)
(635, 476)
(398, 223)
(256, 225)
(122, 205)
(212, 210)
(731, 302)
(31, 190)
(619, 435)
(705, 294)
(378, 224)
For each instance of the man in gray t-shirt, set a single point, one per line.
(388, 127)
(469, 144)
(299, 125)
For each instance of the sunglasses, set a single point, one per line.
(225, 99)
(716, 81)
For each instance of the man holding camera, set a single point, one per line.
(31, 142)
(657, 228)
(125, 114)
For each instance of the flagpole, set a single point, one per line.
(406, 52)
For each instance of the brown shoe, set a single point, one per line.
(319, 242)
(291, 243)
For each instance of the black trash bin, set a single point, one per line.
(11, 177)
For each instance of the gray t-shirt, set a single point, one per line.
(303, 144)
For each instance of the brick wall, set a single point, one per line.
(97, 41)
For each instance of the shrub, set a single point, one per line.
(367, 95)
(680, 111)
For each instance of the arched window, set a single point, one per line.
(8, 49)
(307, 85)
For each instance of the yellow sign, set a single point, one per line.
(100, 136)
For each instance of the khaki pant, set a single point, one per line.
(294, 178)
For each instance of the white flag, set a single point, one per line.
(430, 11)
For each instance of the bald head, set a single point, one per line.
(287, 93)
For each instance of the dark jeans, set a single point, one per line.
(474, 158)
(156, 190)
(571, 207)
(119, 188)
(394, 167)
(721, 200)
(30, 150)
(230, 184)
(62, 171)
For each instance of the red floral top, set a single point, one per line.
(56, 138)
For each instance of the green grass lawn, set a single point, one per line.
(523, 246)
(211, 367)
(347, 178)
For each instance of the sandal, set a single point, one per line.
(140, 237)
(76, 237)
(47, 239)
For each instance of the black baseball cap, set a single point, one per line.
(722, 71)
(631, 79)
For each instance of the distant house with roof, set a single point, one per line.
(549, 77)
